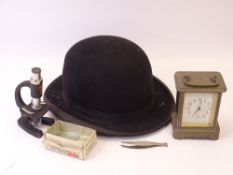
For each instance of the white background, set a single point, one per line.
(176, 35)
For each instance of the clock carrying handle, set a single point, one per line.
(200, 81)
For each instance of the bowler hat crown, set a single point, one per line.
(107, 74)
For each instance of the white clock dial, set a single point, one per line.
(199, 109)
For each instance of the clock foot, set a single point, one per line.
(211, 133)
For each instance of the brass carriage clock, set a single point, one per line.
(197, 105)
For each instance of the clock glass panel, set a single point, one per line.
(199, 109)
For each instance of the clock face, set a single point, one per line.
(199, 109)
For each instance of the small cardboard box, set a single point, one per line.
(70, 139)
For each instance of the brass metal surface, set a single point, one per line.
(197, 82)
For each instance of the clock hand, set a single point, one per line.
(197, 110)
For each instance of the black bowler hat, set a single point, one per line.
(107, 84)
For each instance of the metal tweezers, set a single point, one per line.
(141, 144)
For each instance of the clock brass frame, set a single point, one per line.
(197, 82)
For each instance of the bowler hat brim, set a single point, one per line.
(158, 116)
